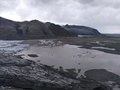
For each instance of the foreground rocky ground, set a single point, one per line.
(29, 75)
(104, 76)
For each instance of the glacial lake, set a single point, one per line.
(67, 56)
(71, 56)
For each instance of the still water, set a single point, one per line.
(70, 56)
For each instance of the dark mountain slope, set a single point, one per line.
(7, 29)
(35, 30)
(30, 30)
(57, 30)
(81, 30)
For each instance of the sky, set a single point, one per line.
(103, 15)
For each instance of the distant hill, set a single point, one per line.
(81, 30)
(12, 30)
(112, 35)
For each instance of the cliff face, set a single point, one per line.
(30, 30)
(81, 30)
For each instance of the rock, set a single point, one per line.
(79, 70)
(72, 72)
(99, 88)
(91, 84)
(103, 75)
(33, 55)
(10, 88)
(20, 56)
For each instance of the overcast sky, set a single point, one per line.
(103, 15)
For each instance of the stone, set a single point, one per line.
(33, 55)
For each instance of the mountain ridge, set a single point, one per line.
(33, 29)
(81, 30)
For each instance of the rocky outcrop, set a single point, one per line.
(26, 74)
(103, 75)
(30, 30)
(30, 75)
(81, 30)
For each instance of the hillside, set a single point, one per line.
(81, 30)
(34, 29)
(30, 30)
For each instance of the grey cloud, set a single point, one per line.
(98, 14)
(45, 1)
(6, 5)
(101, 14)
(39, 3)
(86, 1)
(101, 3)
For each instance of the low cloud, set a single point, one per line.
(86, 1)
